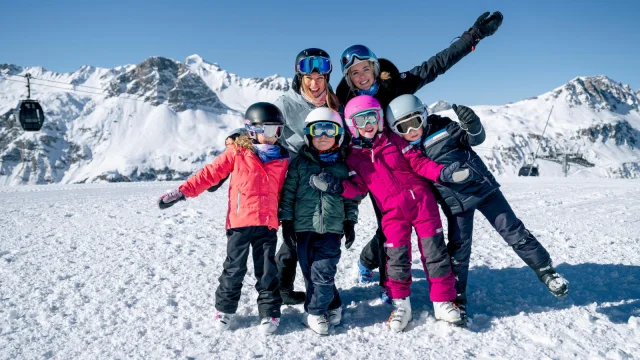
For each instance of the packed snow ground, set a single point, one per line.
(97, 271)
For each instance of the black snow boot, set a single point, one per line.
(290, 297)
(556, 284)
(461, 303)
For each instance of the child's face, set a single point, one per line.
(323, 142)
(413, 135)
(267, 140)
(369, 130)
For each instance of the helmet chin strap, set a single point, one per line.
(370, 91)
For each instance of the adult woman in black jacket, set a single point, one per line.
(365, 74)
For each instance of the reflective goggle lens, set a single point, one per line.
(327, 128)
(315, 63)
(368, 117)
(360, 52)
(405, 126)
(266, 130)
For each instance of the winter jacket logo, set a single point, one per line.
(403, 75)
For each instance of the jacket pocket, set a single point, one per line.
(238, 204)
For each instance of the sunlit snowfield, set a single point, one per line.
(97, 271)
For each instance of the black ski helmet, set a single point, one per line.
(263, 113)
(309, 53)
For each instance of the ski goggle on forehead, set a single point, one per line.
(410, 122)
(319, 64)
(266, 130)
(320, 128)
(354, 52)
(360, 120)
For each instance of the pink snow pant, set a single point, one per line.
(417, 208)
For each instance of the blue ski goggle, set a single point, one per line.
(319, 64)
(353, 52)
(267, 130)
(328, 128)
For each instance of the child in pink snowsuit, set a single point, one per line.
(395, 177)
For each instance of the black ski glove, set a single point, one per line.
(469, 121)
(169, 199)
(465, 114)
(326, 182)
(349, 233)
(486, 25)
(289, 233)
(452, 174)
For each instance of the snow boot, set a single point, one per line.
(317, 323)
(557, 285)
(364, 274)
(447, 311)
(461, 303)
(290, 297)
(401, 316)
(269, 325)
(334, 316)
(222, 321)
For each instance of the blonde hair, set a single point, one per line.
(332, 98)
(243, 141)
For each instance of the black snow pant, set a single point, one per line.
(497, 211)
(287, 261)
(373, 255)
(319, 255)
(263, 242)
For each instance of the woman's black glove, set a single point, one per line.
(486, 25)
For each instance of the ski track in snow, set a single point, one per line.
(96, 271)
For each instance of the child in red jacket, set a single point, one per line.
(259, 166)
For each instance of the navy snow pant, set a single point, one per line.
(264, 242)
(319, 255)
(497, 211)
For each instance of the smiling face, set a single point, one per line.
(315, 84)
(369, 131)
(361, 75)
(413, 135)
(323, 142)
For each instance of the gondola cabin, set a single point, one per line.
(529, 170)
(30, 115)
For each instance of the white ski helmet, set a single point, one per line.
(403, 106)
(324, 114)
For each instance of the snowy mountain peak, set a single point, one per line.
(236, 92)
(439, 105)
(161, 80)
(599, 93)
(10, 69)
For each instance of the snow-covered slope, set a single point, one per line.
(594, 116)
(96, 271)
(159, 119)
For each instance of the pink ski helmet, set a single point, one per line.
(358, 105)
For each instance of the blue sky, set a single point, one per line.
(541, 44)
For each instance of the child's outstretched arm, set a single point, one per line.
(210, 175)
(421, 164)
(470, 123)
